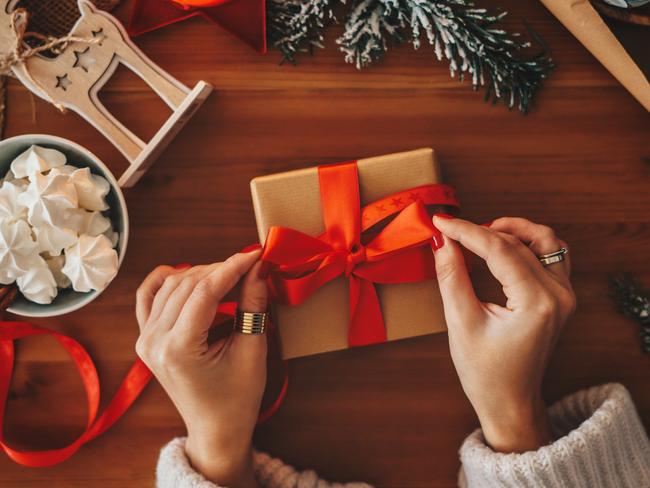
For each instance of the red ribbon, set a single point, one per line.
(399, 253)
(132, 385)
(245, 19)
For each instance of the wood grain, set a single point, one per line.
(393, 414)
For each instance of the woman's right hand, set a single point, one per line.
(501, 353)
(217, 386)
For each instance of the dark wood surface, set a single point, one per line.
(394, 414)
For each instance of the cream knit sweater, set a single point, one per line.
(600, 443)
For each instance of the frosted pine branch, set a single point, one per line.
(296, 25)
(466, 36)
(633, 302)
(368, 24)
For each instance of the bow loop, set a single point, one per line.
(410, 228)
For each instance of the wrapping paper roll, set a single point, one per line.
(586, 24)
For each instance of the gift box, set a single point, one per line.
(378, 286)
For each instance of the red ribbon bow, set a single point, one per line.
(399, 253)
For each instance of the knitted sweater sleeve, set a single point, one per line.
(600, 443)
(175, 471)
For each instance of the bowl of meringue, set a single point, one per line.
(63, 224)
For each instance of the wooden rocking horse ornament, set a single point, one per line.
(75, 76)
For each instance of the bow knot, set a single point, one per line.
(355, 256)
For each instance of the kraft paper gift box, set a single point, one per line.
(320, 324)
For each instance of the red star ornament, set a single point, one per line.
(245, 19)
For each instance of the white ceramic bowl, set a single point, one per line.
(68, 300)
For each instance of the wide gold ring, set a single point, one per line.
(253, 323)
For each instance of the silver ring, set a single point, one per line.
(553, 257)
(253, 323)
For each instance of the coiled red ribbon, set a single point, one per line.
(132, 385)
(399, 253)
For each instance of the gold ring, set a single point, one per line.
(253, 323)
(553, 257)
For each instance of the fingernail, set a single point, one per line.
(444, 216)
(251, 248)
(438, 241)
(183, 266)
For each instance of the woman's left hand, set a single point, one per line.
(501, 352)
(217, 388)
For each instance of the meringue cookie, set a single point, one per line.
(17, 250)
(94, 223)
(36, 159)
(91, 189)
(38, 283)
(53, 239)
(112, 236)
(66, 169)
(49, 198)
(75, 219)
(91, 263)
(53, 233)
(21, 183)
(11, 178)
(10, 209)
(85, 222)
(56, 264)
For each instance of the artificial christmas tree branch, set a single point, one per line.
(467, 37)
(370, 24)
(634, 302)
(296, 25)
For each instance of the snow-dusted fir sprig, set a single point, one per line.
(468, 37)
(369, 24)
(633, 302)
(296, 25)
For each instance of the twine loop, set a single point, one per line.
(22, 51)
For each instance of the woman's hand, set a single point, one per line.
(501, 353)
(217, 388)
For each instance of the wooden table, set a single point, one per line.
(394, 414)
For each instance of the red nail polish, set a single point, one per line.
(444, 216)
(438, 241)
(183, 266)
(251, 248)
